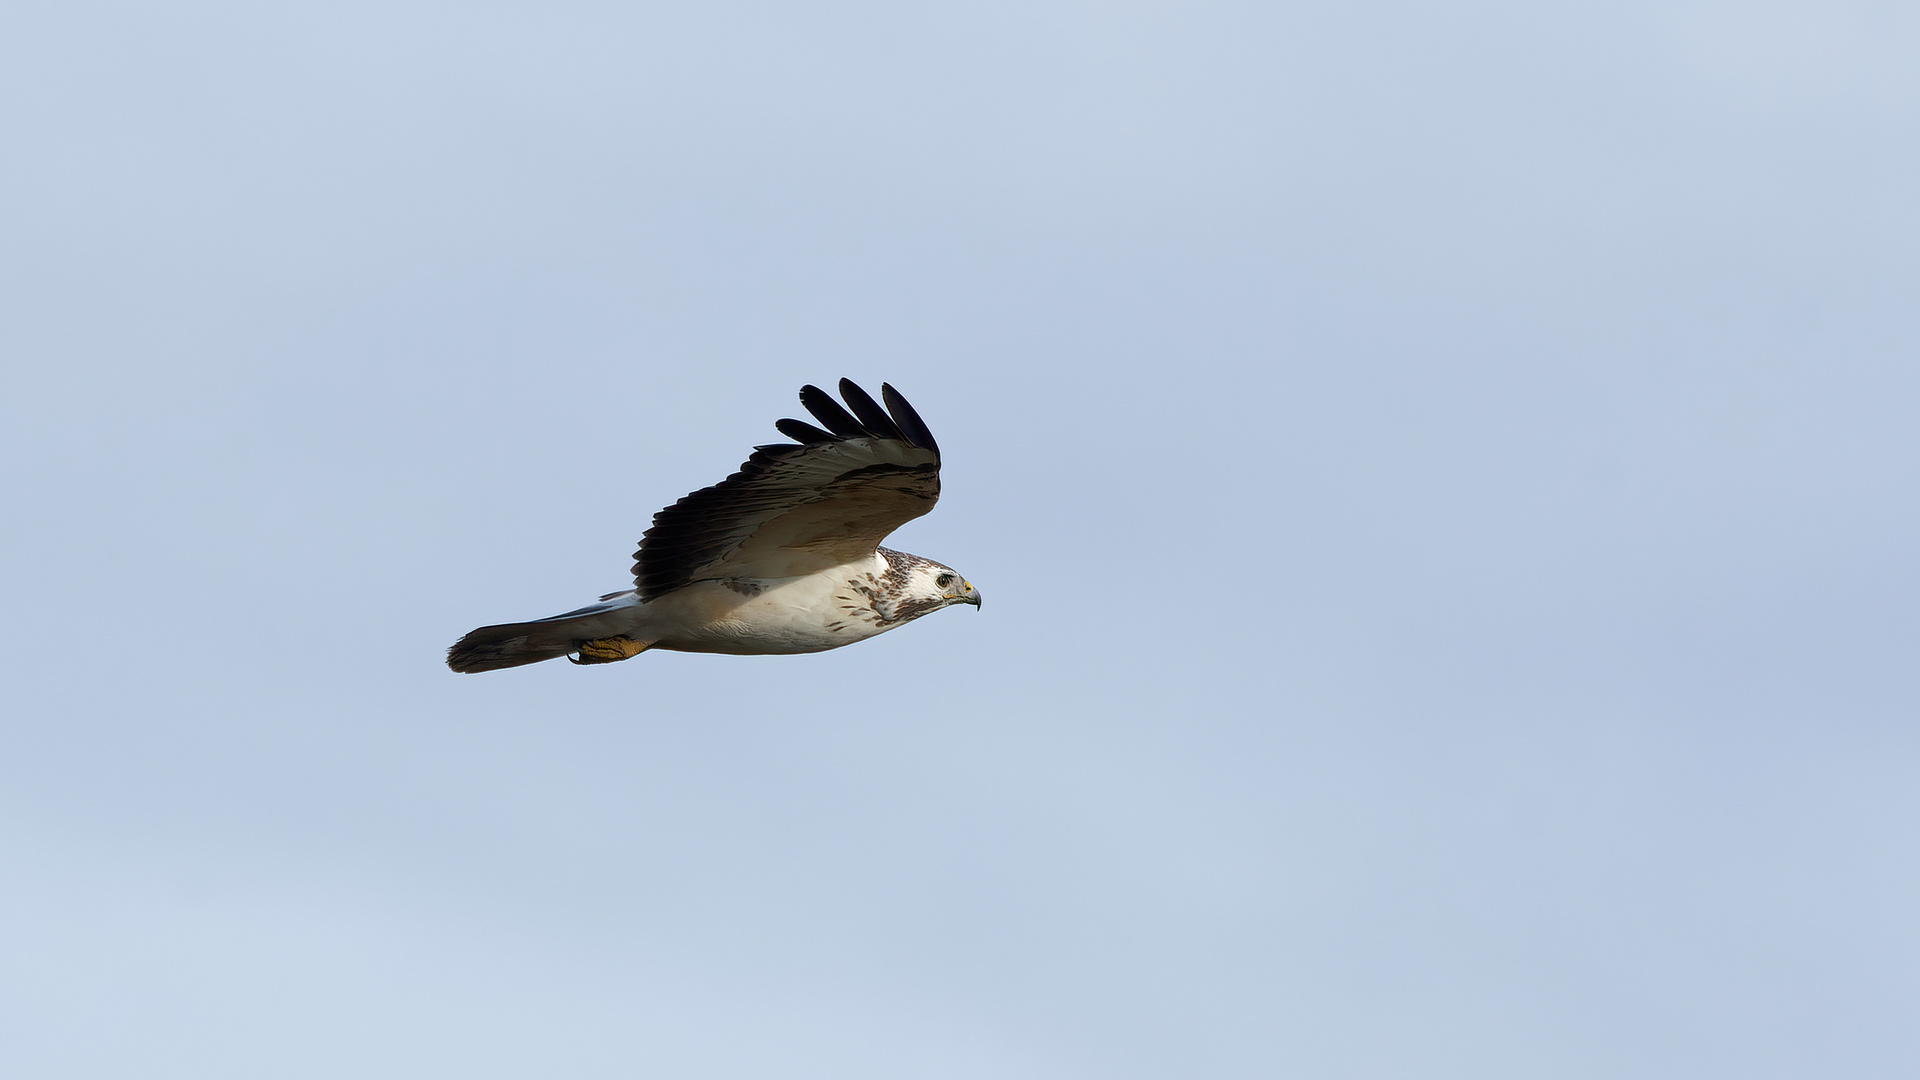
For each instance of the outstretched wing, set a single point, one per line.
(794, 510)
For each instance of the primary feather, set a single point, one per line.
(783, 556)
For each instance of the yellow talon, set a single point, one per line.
(608, 650)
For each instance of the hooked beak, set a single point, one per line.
(968, 594)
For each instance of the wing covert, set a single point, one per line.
(796, 508)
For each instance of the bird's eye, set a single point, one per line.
(943, 580)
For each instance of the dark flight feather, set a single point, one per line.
(872, 416)
(910, 423)
(802, 432)
(702, 528)
(830, 413)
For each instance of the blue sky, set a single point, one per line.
(1443, 477)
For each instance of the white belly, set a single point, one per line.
(791, 615)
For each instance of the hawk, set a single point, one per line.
(783, 556)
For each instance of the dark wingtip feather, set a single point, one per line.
(909, 421)
(872, 416)
(802, 432)
(693, 532)
(830, 412)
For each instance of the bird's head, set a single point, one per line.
(952, 588)
(915, 586)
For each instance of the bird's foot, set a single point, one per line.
(608, 650)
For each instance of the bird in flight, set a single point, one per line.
(783, 556)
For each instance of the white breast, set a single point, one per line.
(783, 615)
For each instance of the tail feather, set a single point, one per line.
(513, 644)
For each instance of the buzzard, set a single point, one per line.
(783, 556)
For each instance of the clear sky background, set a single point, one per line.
(1442, 478)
